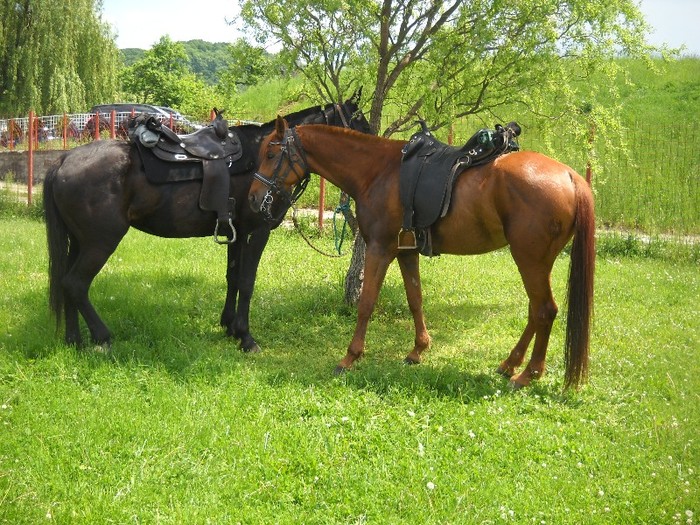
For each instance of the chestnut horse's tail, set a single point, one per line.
(58, 242)
(580, 288)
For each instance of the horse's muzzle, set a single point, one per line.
(254, 202)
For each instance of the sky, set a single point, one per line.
(141, 23)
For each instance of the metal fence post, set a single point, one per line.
(30, 160)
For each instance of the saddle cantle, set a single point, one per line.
(208, 154)
(428, 172)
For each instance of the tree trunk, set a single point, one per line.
(356, 272)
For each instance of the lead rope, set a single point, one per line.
(338, 243)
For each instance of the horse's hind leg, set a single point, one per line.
(542, 311)
(508, 367)
(410, 271)
(76, 284)
(70, 310)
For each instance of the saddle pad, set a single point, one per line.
(426, 179)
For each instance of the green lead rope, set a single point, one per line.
(344, 208)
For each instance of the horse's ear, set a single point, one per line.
(280, 127)
(356, 96)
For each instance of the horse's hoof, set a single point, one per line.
(503, 372)
(515, 386)
(251, 349)
(104, 349)
(409, 361)
(340, 370)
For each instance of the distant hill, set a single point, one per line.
(206, 59)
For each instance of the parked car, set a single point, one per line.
(124, 112)
(181, 119)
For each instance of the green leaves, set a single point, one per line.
(55, 57)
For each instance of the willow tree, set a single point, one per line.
(55, 56)
(444, 59)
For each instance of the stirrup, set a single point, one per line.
(225, 240)
(405, 238)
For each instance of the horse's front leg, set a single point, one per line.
(233, 264)
(376, 263)
(251, 252)
(409, 262)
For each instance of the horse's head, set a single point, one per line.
(282, 174)
(350, 115)
(345, 115)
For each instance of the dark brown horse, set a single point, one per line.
(98, 191)
(525, 200)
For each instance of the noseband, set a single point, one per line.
(292, 150)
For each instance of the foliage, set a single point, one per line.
(162, 77)
(54, 57)
(248, 65)
(131, 55)
(441, 60)
(179, 426)
(208, 60)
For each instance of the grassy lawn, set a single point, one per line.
(178, 426)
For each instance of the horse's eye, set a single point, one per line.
(270, 155)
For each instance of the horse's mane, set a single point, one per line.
(267, 127)
(375, 139)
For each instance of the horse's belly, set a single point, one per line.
(170, 211)
(465, 238)
(471, 226)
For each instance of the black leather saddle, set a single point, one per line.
(208, 154)
(429, 170)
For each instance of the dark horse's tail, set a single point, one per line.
(580, 288)
(58, 242)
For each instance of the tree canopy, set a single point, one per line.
(54, 56)
(443, 59)
(162, 76)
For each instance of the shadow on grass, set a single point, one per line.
(172, 324)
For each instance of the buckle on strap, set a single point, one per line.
(225, 240)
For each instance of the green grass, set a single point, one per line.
(178, 426)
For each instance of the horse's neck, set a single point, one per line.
(348, 160)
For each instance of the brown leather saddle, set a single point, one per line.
(208, 154)
(429, 170)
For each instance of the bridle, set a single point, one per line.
(291, 149)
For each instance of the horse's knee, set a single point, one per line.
(546, 314)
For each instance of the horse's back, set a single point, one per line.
(99, 157)
(519, 195)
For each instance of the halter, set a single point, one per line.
(290, 148)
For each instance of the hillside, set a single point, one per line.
(206, 59)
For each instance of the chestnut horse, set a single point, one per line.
(525, 200)
(99, 190)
